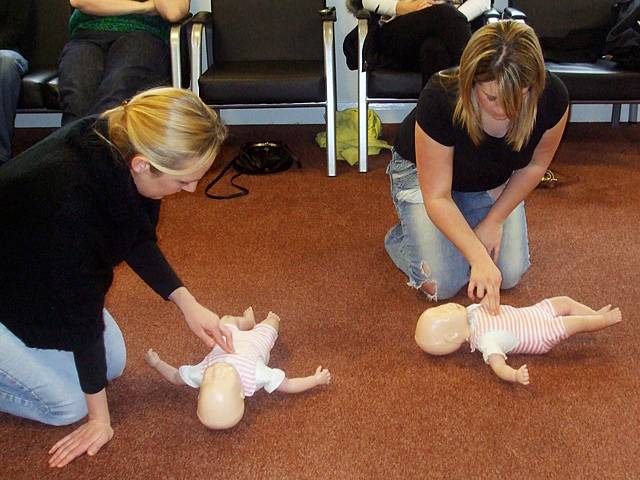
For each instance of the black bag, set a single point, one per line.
(261, 158)
(623, 40)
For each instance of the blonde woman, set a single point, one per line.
(72, 207)
(477, 144)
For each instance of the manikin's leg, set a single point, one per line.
(578, 318)
(273, 320)
(246, 322)
(568, 306)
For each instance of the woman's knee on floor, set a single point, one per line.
(512, 274)
(70, 411)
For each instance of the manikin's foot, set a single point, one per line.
(604, 309)
(248, 320)
(612, 317)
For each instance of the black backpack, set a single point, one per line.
(623, 40)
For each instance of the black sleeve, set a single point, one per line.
(434, 113)
(91, 364)
(556, 100)
(149, 263)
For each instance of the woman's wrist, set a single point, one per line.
(183, 298)
(98, 407)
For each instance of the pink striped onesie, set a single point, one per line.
(534, 329)
(250, 359)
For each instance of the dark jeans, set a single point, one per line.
(426, 41)
(98, 70)
(12, 68)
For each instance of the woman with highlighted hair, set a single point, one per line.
(72, 207)
(479, 141)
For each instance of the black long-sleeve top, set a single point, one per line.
(70, 212)
(15, 26)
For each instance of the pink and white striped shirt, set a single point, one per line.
(534, 329)
(252, 348)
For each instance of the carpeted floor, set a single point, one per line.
(310, 248)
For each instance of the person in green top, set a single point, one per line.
(117, 49)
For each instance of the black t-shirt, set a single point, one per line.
(490, 164)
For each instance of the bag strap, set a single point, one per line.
(242, 191)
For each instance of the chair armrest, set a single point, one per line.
(490, 16)
(328, 14)
(202, 17)
(511, 13)
(363, 14)
(201, 25)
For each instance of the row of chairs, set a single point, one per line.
(281, 53)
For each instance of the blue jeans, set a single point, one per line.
(98, 70)
(425, 254)
(13, 66)
(42, 384)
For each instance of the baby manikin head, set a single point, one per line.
(442, 330)
(221, 398)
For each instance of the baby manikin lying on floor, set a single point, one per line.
(536, 329)
(225, 379)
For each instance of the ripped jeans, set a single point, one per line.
(425, 254)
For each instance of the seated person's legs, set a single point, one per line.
(80, 70)
(136, 61)
(12, 67)
(403, 39)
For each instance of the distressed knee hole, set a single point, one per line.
(429, 287)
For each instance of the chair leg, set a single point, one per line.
(330, 77)
(363, 131)
(615, 115)
(331, 138)
(633, 113)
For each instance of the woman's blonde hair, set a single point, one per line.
(508, 53)
(172, 128)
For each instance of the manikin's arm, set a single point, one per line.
(169, 372)
(297, 385)
(499, 366)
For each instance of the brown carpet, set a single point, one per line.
(310, 248)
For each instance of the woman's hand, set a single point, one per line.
(206, 325)
(202, 321)
(490, 234)
(90, 437)
(484, 283)
(409, 6)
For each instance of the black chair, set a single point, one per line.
(381, 86)
(580, 23)
(39, 88)
(266, 54)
